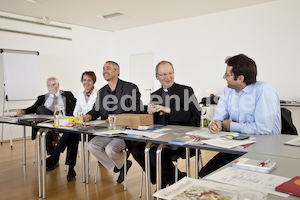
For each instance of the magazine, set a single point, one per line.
(189, 188)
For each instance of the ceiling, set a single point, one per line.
(136, 12)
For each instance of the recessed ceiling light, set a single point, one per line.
(32, 1)
(111, 16)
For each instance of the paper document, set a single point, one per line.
(205, 133)
(294, 142)
(181, 140)
(149, 134)
(108, 132)
(249, 179)
(189, 188)
(226, 143)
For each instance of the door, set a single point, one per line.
(142, 74)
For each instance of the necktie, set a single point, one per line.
(54, 103)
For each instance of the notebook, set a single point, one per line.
(291, 187)
(254, 165)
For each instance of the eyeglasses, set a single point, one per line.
(166, 74)
(226, 75)
(51, 85)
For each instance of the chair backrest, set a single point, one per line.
(287, 126)
(207, 101)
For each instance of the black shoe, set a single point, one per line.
(71, 175)
(116, 170)
(121, 176)
(52, 167)
(52, 163)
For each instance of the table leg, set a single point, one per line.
(38, 140)
(24, 145)
(158, 166)
(43, 153)
(87, 159)
(83, 157)
(196, 163)
(147, 170)
(187, 158)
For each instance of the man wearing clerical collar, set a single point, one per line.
(172, 104)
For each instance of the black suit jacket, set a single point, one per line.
(123, 88)
(70, 102)
(189, 117)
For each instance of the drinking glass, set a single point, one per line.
(112, 120)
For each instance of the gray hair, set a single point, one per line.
(116, 66)
(56, 80)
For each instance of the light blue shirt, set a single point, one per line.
(254, 110)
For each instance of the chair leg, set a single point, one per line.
(125, 169)
(96, 172)
(176, 171)
(89, 160)
(141, 184)
(35, 150)
(201, 158)
(197, 159)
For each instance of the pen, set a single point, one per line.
(264, 163)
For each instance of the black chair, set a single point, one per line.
(287, 126)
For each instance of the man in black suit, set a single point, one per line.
(46, 103)
(172, 104)
(114, 98)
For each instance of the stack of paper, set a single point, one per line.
(254, 165)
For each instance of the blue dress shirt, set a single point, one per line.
(254, 110)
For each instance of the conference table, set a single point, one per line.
(286, 167)
(271, 145)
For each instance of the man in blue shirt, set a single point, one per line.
(246, 106)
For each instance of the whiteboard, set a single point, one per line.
(21, 74)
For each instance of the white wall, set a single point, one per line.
(197, 47)
(64, 59)
(268, 33)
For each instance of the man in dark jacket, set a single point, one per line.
(172, 104)
(114, 98)
(45, 105)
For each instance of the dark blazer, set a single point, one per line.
(189, 117)
(123, 88)
(70, 102)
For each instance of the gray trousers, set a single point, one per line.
(108, 151)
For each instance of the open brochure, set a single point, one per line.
(189, 188)
(249, 179)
